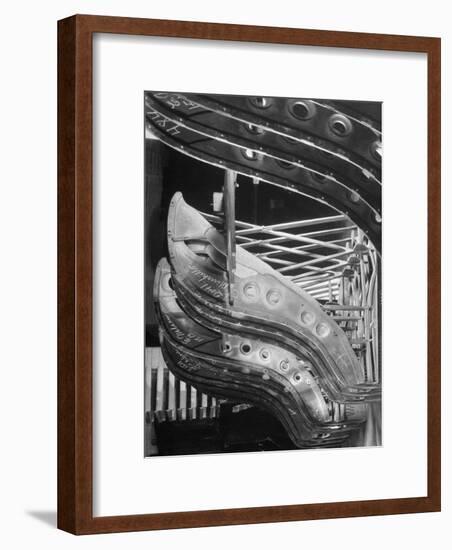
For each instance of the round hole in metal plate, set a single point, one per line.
(340, 125)
(249, 154)
(285, 164)
(251, 290)
(322, 330)
(245, 348)
(273, 296)
(284, 365)
(260, 102)
(307, 317)
(254, 129)
(226, 347)
(321, 178)
(303, 110)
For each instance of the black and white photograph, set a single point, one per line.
(220, 331)
(263, 221)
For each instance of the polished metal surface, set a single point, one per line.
(273, 346)
(305, 146)
(246, 369)
(286, 316)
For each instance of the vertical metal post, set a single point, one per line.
(255, 199)
(229, 222)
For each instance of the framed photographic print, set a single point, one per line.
(249, 274)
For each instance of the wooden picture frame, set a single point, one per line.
(75, 249)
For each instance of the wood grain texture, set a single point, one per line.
(74, 277)
(66, 276)
(434, 275)
(75, 439)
